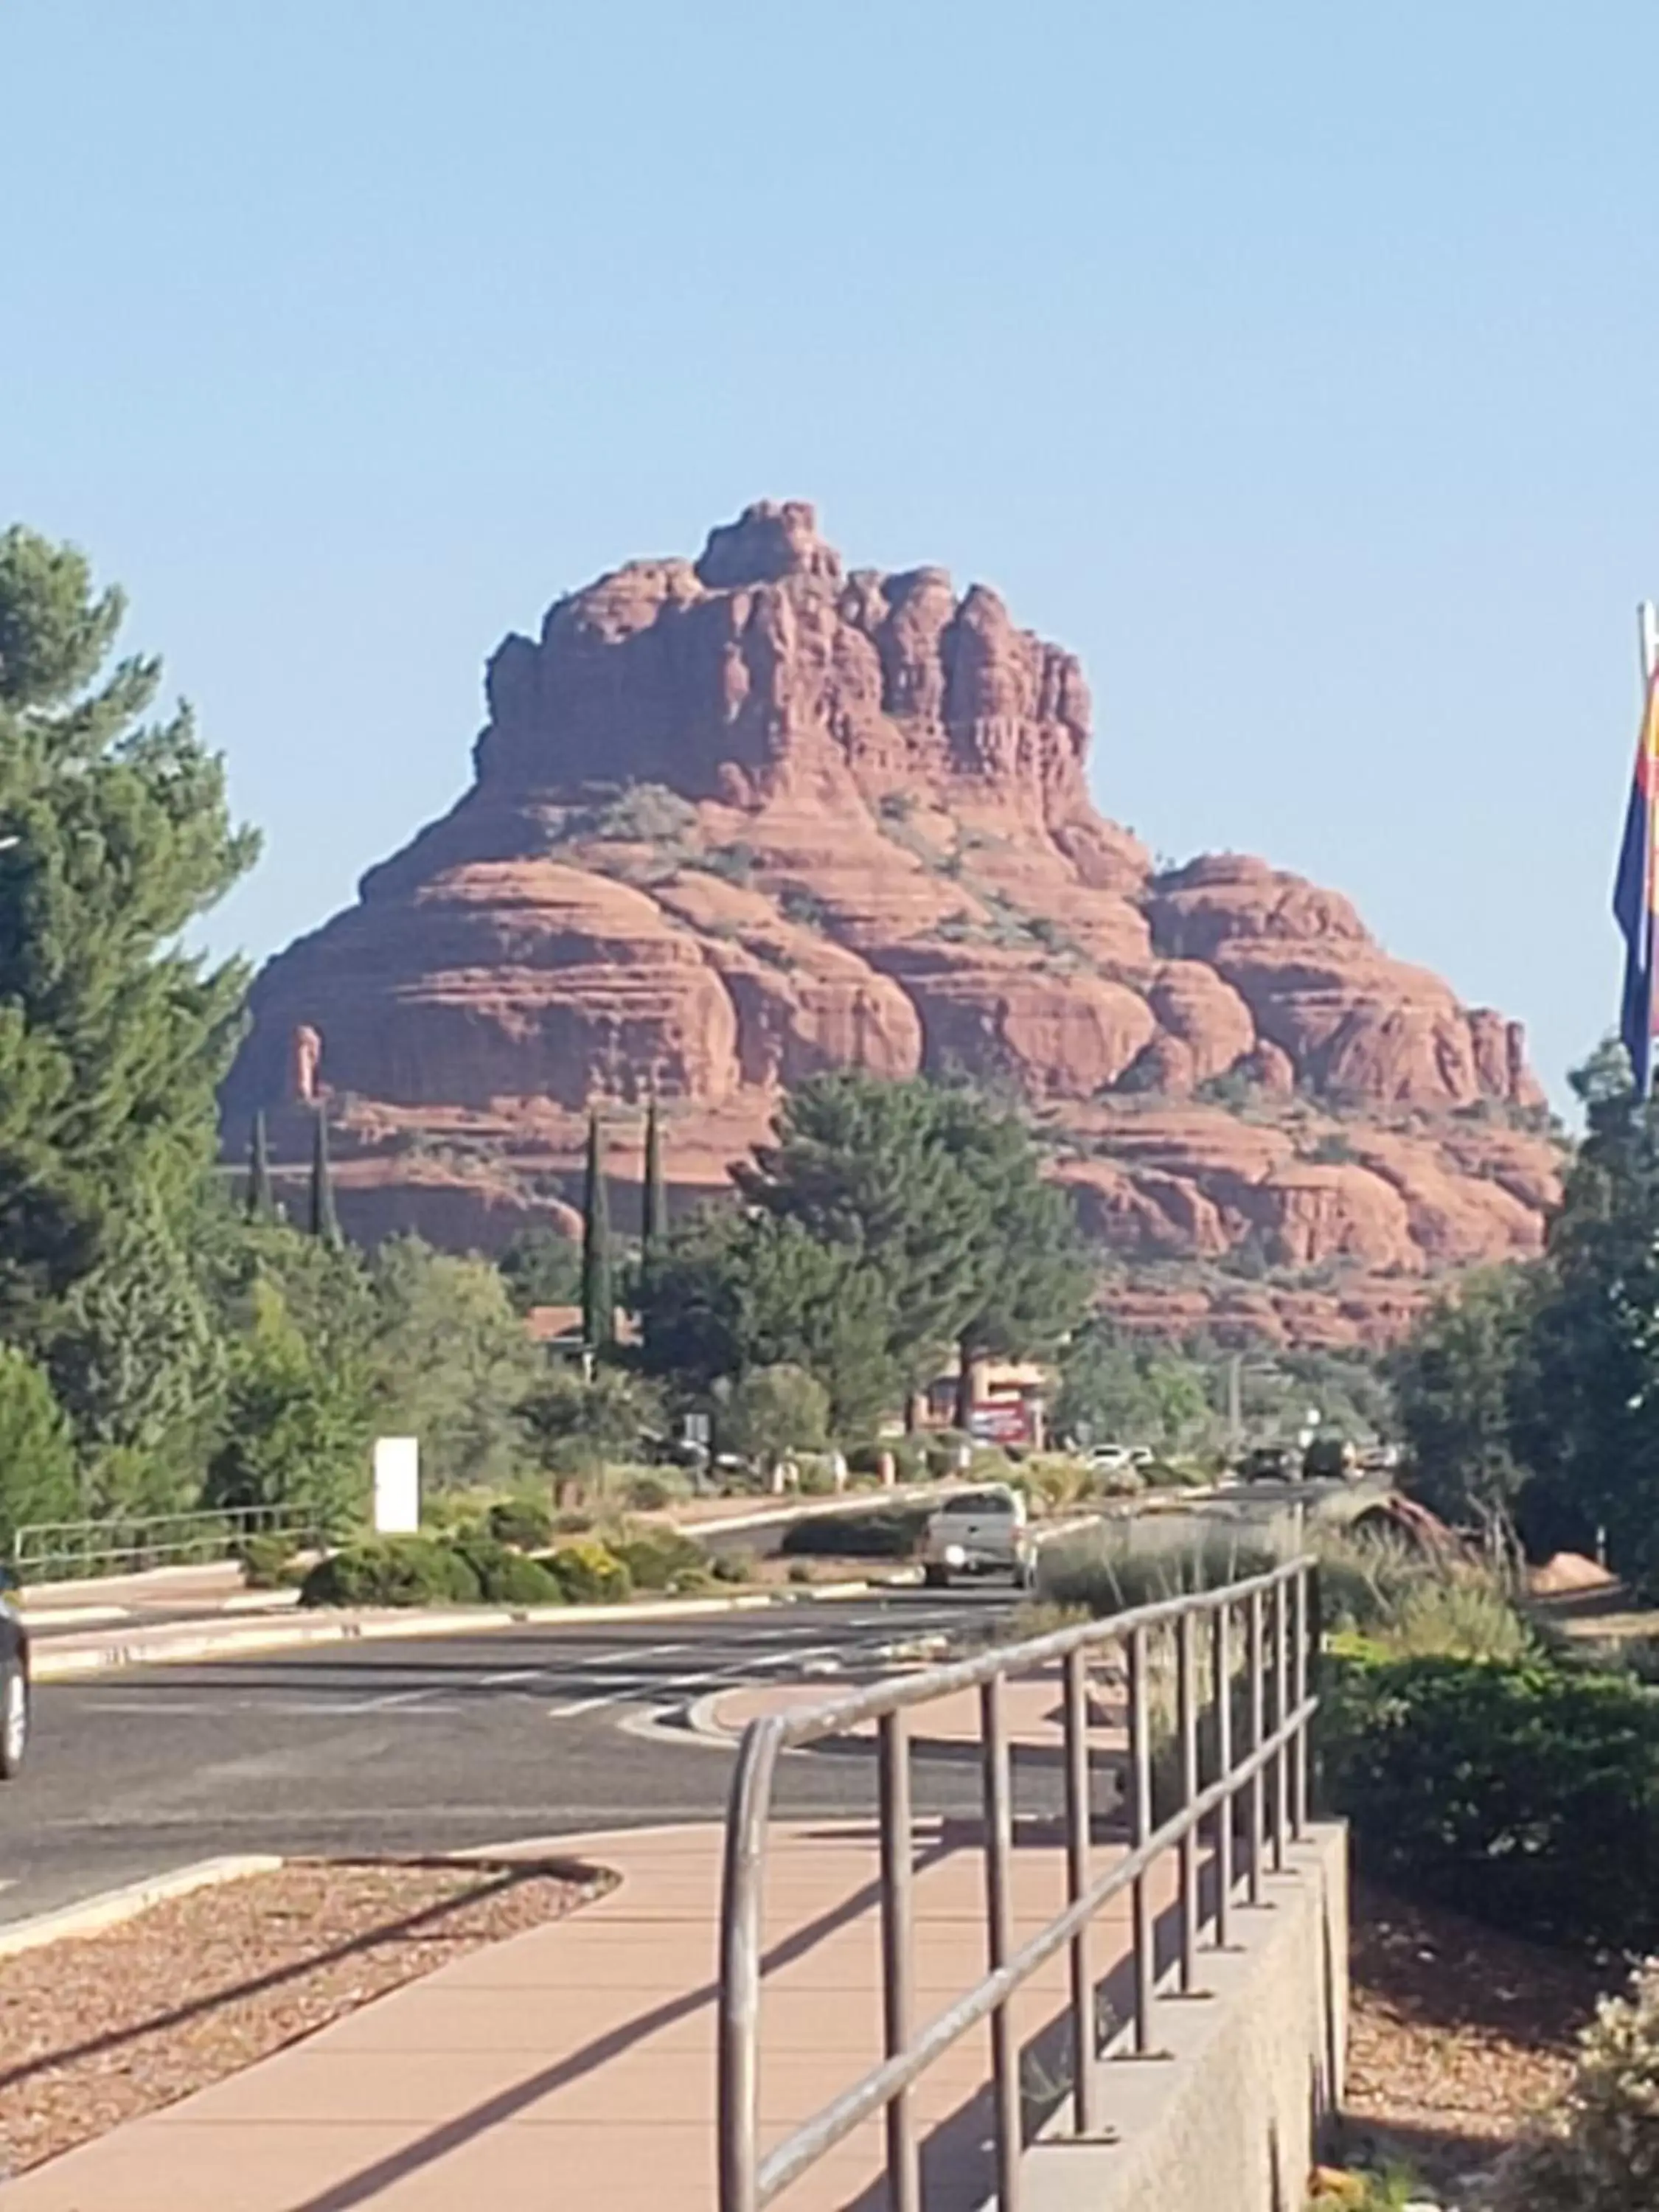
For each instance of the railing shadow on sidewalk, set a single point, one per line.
(496, 1882)
(955, 2145)
(363, 2187)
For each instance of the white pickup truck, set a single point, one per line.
(978, 1532)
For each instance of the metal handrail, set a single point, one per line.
(1271, 1775)
(42, 1550)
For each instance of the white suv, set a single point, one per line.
(979, 1532)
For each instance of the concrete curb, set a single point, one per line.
(112, 1907)
(161, 1647)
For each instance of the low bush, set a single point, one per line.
(650, 1493)
(799, 1573)
(1599, 2150)
(732, 1566)
(525, 1523)
(892, 1533)
(1174, 1475)
(1521, 1792)
(572, 1522)
(506, 1577)
(1097, 1573)
(392, 1571)
(266, 1561)
(947, 1453)
(589, 1573)
(658, 1558)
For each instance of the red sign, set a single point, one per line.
(1001, 1421)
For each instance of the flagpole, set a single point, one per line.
(1647, 624)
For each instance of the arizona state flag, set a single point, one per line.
(1635, 898)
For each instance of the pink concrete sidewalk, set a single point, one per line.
(574, 2067)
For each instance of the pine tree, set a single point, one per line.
(654, 1225)
(325, 1222)
(113, 1035)
(260, 1206)
(598, 1308)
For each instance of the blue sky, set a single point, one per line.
(1297, 365)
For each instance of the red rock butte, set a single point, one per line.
(740, 819)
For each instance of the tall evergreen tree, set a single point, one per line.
(598, 1297)
(260, 1204)
(324, 1221)
(115, 838)
(654, 1223)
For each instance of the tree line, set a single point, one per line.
(1529, 1395)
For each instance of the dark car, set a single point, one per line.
(14, 1687)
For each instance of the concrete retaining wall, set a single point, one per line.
(1227, 2120)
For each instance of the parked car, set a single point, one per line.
(1107, 1459)
(978, 1532)
(14, 1684)
(1270, 1463)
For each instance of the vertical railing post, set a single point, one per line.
(1084, 2096)
(1299, 1699)
(1279, 1672)
(737, 2086)
(1000, 1930)
(1140, 1816)
(1187, 1731)
(1227, 1810)
(1253, 1662)
(898, 2003)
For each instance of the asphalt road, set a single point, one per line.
(433, 1744)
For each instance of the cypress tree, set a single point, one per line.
(259, 1203)
(598, 1305)
(325, 1222)
(654, 1225)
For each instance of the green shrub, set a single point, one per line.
(1599, 2150)
(266, 1560)
(589, 1573)
(392, 1571)
(891, 1533)
(38, 1477)
(1523, 1793)
(732, 1566)
(799, 1573)
(658, 1558)
(572, 1522)
(1173, 1475)
(942, 1454)
(650, 1493)
(524, 1523)
(908, 1462)
(506, 1577)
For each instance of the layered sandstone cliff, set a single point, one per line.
(738, 820)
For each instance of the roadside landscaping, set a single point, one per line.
(98, 2029)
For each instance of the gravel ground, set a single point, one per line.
(1458, 2032)
(97, 2029)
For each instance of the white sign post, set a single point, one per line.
(396, 1486)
